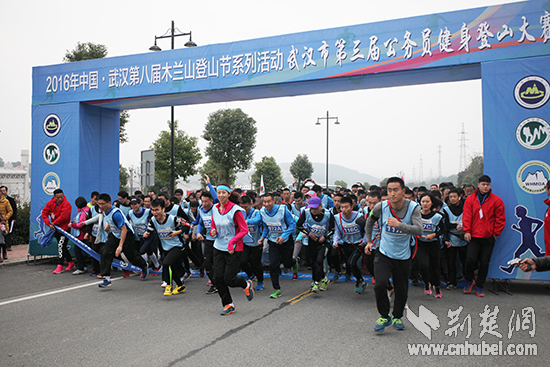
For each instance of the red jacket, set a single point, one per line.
(547, 228)
(493, 220)
(59, 213)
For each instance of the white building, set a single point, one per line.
(17, 180)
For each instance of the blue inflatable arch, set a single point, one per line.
(75, 112)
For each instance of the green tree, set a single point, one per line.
(213, 170)
(91, 51)
(384, 182)
(86, 51)
(301, 168)
(341, 183)
(471, 174)
(186, 153)
(366, 184)
(20, 232)
(273, 178)
(123, 178)
(231, 137)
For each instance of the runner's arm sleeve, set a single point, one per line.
(255, 219)
(214, 193)
(374, 215)
(415, 228)
(291, 225)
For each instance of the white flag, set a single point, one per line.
(262, 187)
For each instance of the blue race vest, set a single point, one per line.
(163, 230)
(225, 227)
(394, 243)
(254, 231)
(350, 232)
(429, 226)
(319, 229)
(454, 238)
(276, 224)
(140, 224)
(115, 230)
(207, 222)
(96, 228)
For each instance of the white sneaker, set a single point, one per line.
(163, 285)
(78, 272)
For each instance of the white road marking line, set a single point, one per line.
(26, 298)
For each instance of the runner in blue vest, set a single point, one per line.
(123, 202)
(317, 224)
(170, 230)
(457, 244)
(120, 239)
(139, 218)
(97, 234)
(429, 246)
(348, 234)
(400, 222)
(327, 202)
(251, 258)
(229, 228)
(279, 225)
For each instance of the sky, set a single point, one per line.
(424, 117)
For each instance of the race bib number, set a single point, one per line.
(317, 230)
(164, 234)
(251, 229)
(275, 227)
(394, 231)
(350, 229)
(207, 221)
(140, 229)
(95, 230)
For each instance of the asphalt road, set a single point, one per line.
(48, 319)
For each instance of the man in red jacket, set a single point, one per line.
(483, 221)
(57, 212)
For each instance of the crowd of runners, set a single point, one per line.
(390, 236)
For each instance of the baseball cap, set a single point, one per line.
(314, 202)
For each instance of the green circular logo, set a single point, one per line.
(51, 153)
(533, 133)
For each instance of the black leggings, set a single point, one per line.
(62, 249)
(128, 248)
(353, 254)
(172, 268)
(280, 254)
(208, 258)
(429, 260)
(226, 268)
(399, 270)
(315, 254)
(452, 252)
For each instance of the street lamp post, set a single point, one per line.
(335, 123)
(170, 33)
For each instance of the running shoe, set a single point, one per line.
(315, 288)
(276, 294)
(168, 290)
(260, 286)
(451, 287)
(294, 276)
(437, 292)
(126, 273)
(468, 287)
(251, 277)
(106, 283)
(479, 292)
(427, 289)
(336, 276)
(179, 289)
(212, 290)
(78, 272)
(209, 282)
(163, 285)
(186, 275)
(295, 268)
(249, 290)
(58, 269)
(70, 266)
(358, 286)
(93, 274)
(373, 280)
(227, 310)
(398, 324)
(324, 284)
(382, 323)
(145, 271)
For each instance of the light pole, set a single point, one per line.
(170, 33)
(335, 123)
